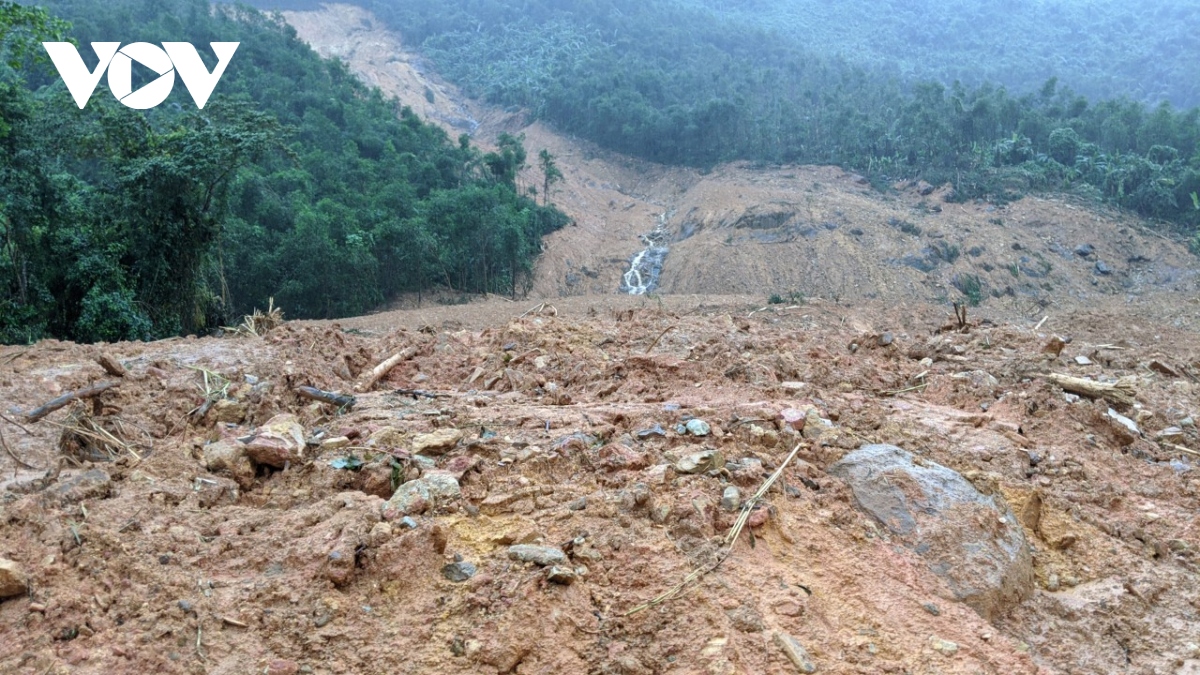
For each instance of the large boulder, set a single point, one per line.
(970, 540)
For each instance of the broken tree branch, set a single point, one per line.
(386, 367)
(60, 402)
(332, 398)
(1121, 393)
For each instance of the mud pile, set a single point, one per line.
(505, 497)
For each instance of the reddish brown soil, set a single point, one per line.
(152, 563)
(140, 573)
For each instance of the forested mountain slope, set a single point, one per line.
(295, 181)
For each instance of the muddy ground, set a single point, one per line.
(167, 556)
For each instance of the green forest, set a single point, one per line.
(894, 90)
(295, 182)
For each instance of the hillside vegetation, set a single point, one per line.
(295, 181)
(891, 89)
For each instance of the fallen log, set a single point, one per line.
(62, 401)
(1121, 393)
(381, 370)
(339, 400)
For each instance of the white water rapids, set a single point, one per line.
(644, 268)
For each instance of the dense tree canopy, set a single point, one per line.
(295, 181)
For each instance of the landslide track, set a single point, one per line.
(137, 537)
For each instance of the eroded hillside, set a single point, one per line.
(792, 231)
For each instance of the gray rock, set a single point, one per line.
(699, 462)
(91, 484)
(698, 427)
(655, 430)
(578, 505)
(885, 339)
(731, 498)
(1103, 268)
(1084, 250)
(13, 580)
(545, 556)
(796, 653)
(561, 575)
(434, 489)
(458, 572)
(972, 541)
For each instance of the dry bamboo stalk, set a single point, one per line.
(87, 392)
(381, 370)
(1121, 393)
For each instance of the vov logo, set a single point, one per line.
(171, 58)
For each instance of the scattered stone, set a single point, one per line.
(886, 339)
(1102, 268)
(561, 575)
(1163, 368)
(1052, 583)
(814, 425)
(278, 443)
(1125, 422)
(936, 512)
(458, 572)
(655, 430)
(931, 608)
(795, 652)
(13, 580)
(228, 411)
(577, 505)
(943, 647)
(698, 427)
(546, 556)
(416, 496)
(436, 443)
(745, 619)
(335, 443)
(793, 418)
(1171, 434)
(91, 484)
(617, 457)
(381, 533)
(1187, 422)
(699, 462)
(215, 491)
(408, 522)
(1084, 250)
(1083, 360)
(731, 498)
(758, 518)
(793, 386)
(229, 458)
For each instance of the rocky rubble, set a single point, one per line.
(514, 527)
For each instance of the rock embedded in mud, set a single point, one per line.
(458, 572)
(13, 580)
(545, 556)
(731, 498)
(793, 418)
(278, 443)
(698, 427)
(699, 462)
(972, 541)
(561, 575)
(796, 653)
(91, 484)
(228, 457)
(436, 443)
(943, 647)
(434, 489)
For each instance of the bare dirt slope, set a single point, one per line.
(800, 231)
(187, 558)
